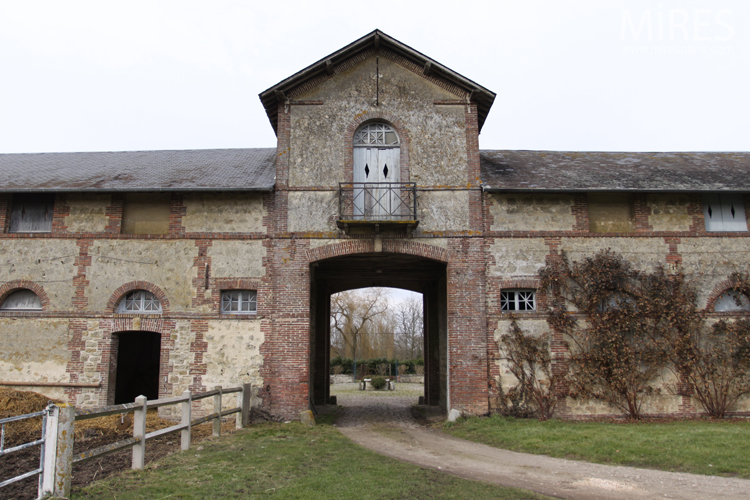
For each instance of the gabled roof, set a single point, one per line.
(376, 40)
(191, 170)
(536, 171)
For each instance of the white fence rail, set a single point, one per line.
(57, 458)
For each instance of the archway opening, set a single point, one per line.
(137, 368)
(424, 276)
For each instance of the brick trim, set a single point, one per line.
(5, 204)
(177, 211)
(719, 288)
(60, 211)
(113, 213)
(15, 285)
(368, 246)
(139, 285)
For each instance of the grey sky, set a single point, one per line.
(142, 75)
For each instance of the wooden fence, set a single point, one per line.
(57, 456)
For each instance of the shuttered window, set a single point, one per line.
(724, 212)
(31, 213)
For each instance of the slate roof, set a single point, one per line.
(634, 172)
(254, 170)
(191, 170)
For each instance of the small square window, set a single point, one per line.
(239, 302)
(518, 300)
(31, 213)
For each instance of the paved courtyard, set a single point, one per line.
(365, 408)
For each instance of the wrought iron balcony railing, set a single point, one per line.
(378, 202)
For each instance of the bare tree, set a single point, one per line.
(355, 313)
(410, 329)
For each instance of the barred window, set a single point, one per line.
(518, 300)
(139, 301)
(239, 302)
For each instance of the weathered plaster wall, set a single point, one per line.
(34, 350)
(166, 264)
(643, 253)
(87, 212)
(669, 212)
(711, 260)
(47, 262)
(237, 259)
(223, 213)
(233, 357)
(443, 211)
(319, 138)
(517, 257)
(531, 212)
(313, 211)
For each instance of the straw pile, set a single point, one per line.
(14, 403)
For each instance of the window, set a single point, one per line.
(518, 300)
(146, 213)
(732, 300)
(139, 301)
(724, 212)
(31, 213)
(22, 300)
(239, 302)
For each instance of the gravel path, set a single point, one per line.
(383, 422)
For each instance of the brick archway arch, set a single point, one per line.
(376, 116)
(352, 247)
(138, 285)
(13, 286)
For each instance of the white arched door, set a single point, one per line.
(376, 165)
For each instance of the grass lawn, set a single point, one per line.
(289, 461)
(699, 446)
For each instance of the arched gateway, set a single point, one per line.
(380, 269)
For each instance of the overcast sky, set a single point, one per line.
(569, 74)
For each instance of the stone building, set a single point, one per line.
(155, 272)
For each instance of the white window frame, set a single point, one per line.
(727, 302)
(12, 302)
(139, 302)
(239, 302)
(517, 298)
(724, 212)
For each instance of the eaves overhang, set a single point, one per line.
(272, 97)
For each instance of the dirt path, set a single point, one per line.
(385, 425)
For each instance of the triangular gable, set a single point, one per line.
(371, 44)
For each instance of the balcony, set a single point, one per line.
(367, 207)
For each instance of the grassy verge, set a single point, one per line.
(288, 461)
(698, 446)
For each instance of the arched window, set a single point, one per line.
(377, 159)
(732, 300)
(22, 300)
(139, 301)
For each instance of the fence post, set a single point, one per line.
(58, 453)
(243, 418)
(217, 409)
(139, 431)
(186, 420)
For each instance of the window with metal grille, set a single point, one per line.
(22, 300)
(139, 301)
(724, 212)
(518, 300)
(239, 302)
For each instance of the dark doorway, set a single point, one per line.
(138, 360)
